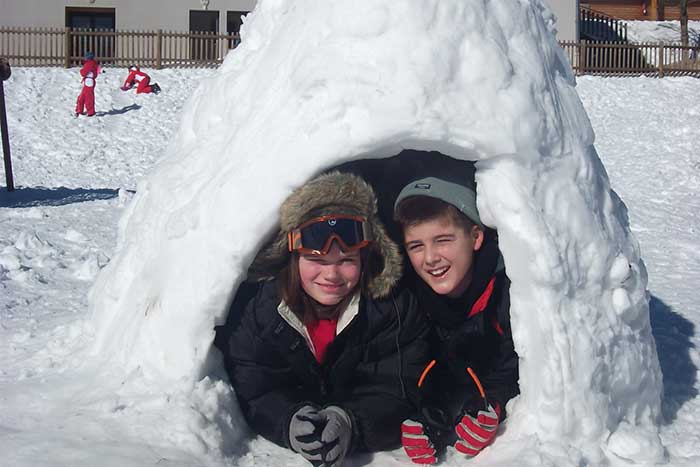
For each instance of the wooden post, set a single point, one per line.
(582, 58)
(159, 46)
(66, 64)
(684, 30)
(661, 60)
(5, 73)
(684, 24)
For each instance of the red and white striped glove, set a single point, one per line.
(475, 433)
(417, 444)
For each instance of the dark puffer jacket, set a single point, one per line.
(472, 331)
(372, 366)
(274, 372)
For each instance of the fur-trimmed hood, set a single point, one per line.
(333, 193)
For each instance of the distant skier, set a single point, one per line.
(141, 80)
(86, 99)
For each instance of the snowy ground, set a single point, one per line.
(661, 31)
(650, 146)
(75, 176)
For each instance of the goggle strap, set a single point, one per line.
(366, 231)
(293, 238)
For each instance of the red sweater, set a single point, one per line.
(322, 333)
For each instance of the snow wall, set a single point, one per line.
(317, 83)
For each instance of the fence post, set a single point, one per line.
(582, 58)
(66, 50)
(159, 43)
(661, 59)
(5, 73)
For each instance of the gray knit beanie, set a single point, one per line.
(461, 196)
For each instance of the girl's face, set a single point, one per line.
(329, 278)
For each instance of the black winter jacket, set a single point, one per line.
(471, 331)
(274, 372)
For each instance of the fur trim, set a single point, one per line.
(333, 193)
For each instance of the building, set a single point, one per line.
(147, 32)
(218, 16)
(655, 10)
(566, 12)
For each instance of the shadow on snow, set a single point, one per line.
(123, 110)
(673, 333)
(42, 196)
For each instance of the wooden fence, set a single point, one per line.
(157, 49)
(622, 59)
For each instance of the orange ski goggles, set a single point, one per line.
(316, 235)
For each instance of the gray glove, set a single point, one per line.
(322, 436)
(336, 436)
(305, 430)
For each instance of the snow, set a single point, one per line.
(661, 31)
(159, 203)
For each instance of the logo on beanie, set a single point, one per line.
(422, 186)
(332, 222)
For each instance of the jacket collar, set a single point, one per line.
(345, 318)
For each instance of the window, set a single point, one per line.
(98, 20)
(206, 22)
(234, 20)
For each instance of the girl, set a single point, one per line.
(324, 358)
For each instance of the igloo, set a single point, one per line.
(319, 83)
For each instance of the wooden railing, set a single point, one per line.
(595, 25)
(66, 47)
(617, 59)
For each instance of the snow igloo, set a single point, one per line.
(320, 83)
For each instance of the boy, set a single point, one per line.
(462, 286)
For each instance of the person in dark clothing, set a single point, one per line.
(323, 354)
(460, 281)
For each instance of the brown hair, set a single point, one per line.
(415, 210)
(306, 308)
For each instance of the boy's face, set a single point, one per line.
(442, 254)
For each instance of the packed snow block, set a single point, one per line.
(318, 83)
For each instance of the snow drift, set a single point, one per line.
(317, 83)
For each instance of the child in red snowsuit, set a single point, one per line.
(86, 99)
(141, 80)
